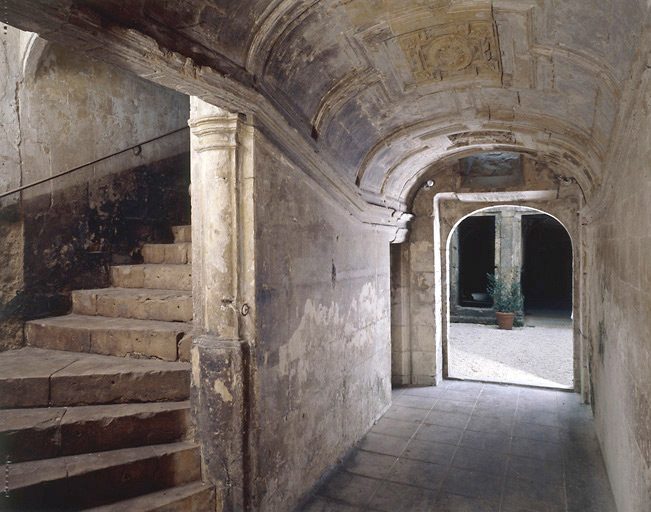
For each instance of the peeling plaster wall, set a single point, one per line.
(323, 314)
(66, 110)
(11, 226)
(73, 111)
(619, 308)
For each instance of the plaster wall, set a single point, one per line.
(618, 303)
(11, 226)
(323, 310)
(64, 110)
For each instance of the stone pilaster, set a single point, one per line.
(223, 288)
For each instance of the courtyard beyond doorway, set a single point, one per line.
(537, 354)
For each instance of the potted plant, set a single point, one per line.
(507, 300)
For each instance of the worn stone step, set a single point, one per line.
(193, 497)
(157, 276)
(35, 377)
(176, 254)
(169, 341)
(141, 303)
(43, 433)
(94, 479)
(182, 233)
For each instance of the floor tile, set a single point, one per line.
(381, 443)
(494, 411)
(535, 449)
(319, 504)
(525, 468)
(507, 401)
(500, 390)
(473, 484)
(533, 404)
(428, 451)
(419, 402)
(455, 503)
(460, 396)
(537, 432)
(590, 497)
(493, 454)
(429, 391)
(533, 495)
(397, 393)
(447, 419)
(439, 434)
(397, 412)
(418, 473)
(502, 426)
(396, 428)
(499, 443)
(549, 419)
(349, 488)
(375, 465)
(453, 406)
(394, 497)
(480, 460)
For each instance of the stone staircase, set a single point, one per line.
(94, 412)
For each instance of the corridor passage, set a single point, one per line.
(473, 447)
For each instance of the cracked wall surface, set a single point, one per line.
(11, 226)
(618, 302)
(323, 349)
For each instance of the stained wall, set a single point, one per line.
(618, 296)
(11, 226)
(63, 110)
(323, 342)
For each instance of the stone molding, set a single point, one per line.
(215, 132)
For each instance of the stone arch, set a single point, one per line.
(33, 52)
(461, 206)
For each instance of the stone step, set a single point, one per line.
(94, 479)
(182, 233)
(43, 433)
(141, 303)
(194, 497)
(176, 254)
(35, 377)
(169, 341)
(157, 276)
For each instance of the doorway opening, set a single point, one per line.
(546, 266)
(476, 259)
(534, 249)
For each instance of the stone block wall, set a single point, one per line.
(323, 341)
(618, 273)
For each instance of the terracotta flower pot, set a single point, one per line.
(505, 320)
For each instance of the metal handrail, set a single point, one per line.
(58, 175)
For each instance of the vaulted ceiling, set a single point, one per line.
(385, 89)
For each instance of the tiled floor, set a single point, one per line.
(472, 447)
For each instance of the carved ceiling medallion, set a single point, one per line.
(452, 50)
(449, 53)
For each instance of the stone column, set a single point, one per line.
(222, 275)
(508, 245)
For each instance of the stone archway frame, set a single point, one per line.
(451, 208)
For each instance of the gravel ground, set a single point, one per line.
(539, 354)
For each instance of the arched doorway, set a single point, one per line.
(534, 248)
